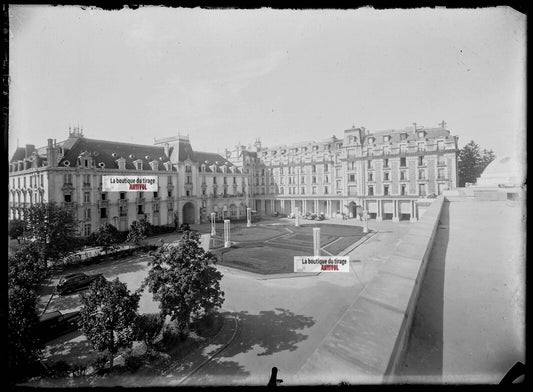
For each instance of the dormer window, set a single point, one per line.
(386, 138)
(403, 136)
(168, 166)
(154, 165)
(371, 140)
(138, 164)
(121, 163)
(188, 169)
(421, 133)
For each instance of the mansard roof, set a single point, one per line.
(107, 152)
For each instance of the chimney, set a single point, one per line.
(414, 127)
(50, 143)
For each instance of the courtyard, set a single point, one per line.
(280, 321)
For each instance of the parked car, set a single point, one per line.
(320, 217)
(184, 227)
(75, 282)
(54, 324)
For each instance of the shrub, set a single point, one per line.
(59, 369)
(99, 364)
(79, 370)
(133, 363)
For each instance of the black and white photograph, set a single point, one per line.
(210, 197)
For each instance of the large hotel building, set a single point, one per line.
(387, 173)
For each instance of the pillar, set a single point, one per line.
(248, 217)
(316, 241)
(365, 221)
(414, 212)
(316, 207)
(396, 211)
(213, 230)
(227, 242)
(282, 206)
(379, 216)
(297, 217)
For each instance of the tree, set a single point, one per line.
(147, 327)
(16, 229)
(138, 231)
(106, 237)
(108, 315)
(24, 268)
(472, 161)
(184, 281)
(52, 228)
(23, 346)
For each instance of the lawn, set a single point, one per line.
(271, 250)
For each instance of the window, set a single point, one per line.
(386, 190)
(140, 209)
(326, 168)
(156, 207)
(169, 180)
(441, 160)
(188, 169)
(303, 180)
(42, 180)
(169, 193)
(441, 174)
(140, 195)
(187, 193)
(281, 190)
(67, 178)
(421, 146)
(370, 190)
(422, 189)
(338, 183)
(313, 190)
(86, 179)
(351, 178)
(215, 181)
(326, 179)
(386, 176)
(302, 191)
(403, 189)
(403, 162)
(386, 150)
(314, 179)
(370, 176)
(403, 148)
(313, 168)
(421, 160)
(234, 180)
(87, 213)
(155, 195)
(103, 213)
(351, 165)
(403, 175)
(103, 196)
(369, 164)
(326, 190)
(87, 230)
(440, 145)
(385, 163)
(122, 195)
(123, 211)
(189, 180)
(422, 174)
(68, 198)
(86, 197)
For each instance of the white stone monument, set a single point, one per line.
(227, 242)
(213, 230)
(316, 241)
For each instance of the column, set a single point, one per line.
(297, 217)
(316, 241)
(365, 221)
(293, 205)
(395, 211)
(213, 231)
(227, 242)
(248, 217)
(317, 211)
(379, 215)
(282, 206)
(328, 208)
(414, 214)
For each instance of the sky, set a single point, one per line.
(225, 77)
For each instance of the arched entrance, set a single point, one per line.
(352, 209)
(233, 211)
(188, 213)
